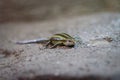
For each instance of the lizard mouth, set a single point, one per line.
(70, 45)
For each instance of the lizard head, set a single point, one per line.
(69, 43)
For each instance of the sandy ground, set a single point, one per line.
(99, 59)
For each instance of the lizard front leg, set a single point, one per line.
(55, 45)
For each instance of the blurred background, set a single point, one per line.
(40, 10)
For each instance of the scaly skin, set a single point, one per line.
(61, 39)
(56, 40)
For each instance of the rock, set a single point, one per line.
(86, 63)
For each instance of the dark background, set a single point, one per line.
(33, 10)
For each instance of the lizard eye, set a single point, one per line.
(69, 41)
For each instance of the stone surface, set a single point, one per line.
(98, 59)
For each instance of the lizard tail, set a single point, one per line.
(41, 40)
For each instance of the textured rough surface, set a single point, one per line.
(98, 59)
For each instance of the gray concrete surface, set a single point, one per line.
(100, 59)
